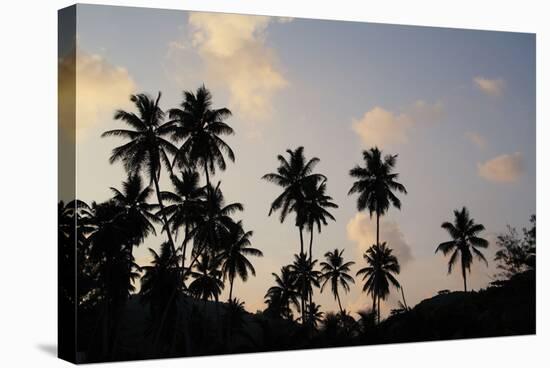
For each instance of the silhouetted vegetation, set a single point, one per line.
(465, 242)
(171, 306)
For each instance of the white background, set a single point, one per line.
(28, 172)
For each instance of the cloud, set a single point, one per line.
(491, 87)
(361, 229)
(477, 140)
(101, 88)
(382, 127)
(503, 169)
(235, 54)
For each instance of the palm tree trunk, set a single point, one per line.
(303, 309)
(311, 244)
(184, 245)
(464, 277)
(377, 228)
(161, 205)
(207, 179)
(231, 279)
(378, 310)
(374, 305)
(301, 241)
(339, 303)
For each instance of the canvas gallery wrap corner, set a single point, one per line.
(236, 183)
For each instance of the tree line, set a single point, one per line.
(206, 247)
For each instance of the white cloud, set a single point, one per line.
(101, 88)
(476, 139)
(503, 169)
(235, 54)
(382, 127)
(361, 229)
(491, 87)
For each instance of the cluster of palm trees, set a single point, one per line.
(204, 247)
(304, 194)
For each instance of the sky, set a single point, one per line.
(457, 106)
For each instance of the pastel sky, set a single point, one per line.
(458, 106)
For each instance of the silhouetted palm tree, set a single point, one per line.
(382, 265)
(284, 294)
(376, 184)
(306, 278)
(465, 241)
(291, 175)
(215, 224)
(207, 283)
(314, 315)
(200, 126)
(314, 208)
(148, 146)
(187, 206)
(335, 271)
(233, 255)
(136, 213)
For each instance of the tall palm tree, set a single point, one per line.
(200, 126)
(382, 265)
(187, 204)
(335, 271)
(375, 184)
(291, 175)
(136, 212)
(207, 283)
(314, 208)
(233, 256)
(306, 276)
(464, 242)
(284, 294)
(148, 146)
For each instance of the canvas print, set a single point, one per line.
(242, 183)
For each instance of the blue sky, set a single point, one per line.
(458, 106)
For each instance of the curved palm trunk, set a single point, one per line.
(164, 219)
(207, 180)
(184, 252)
(311, 244)
(339, 303)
